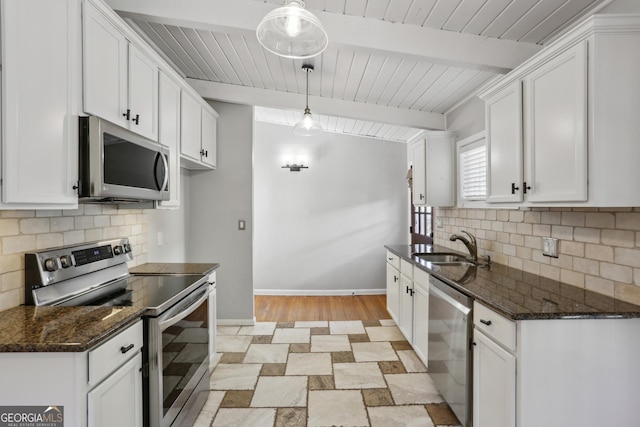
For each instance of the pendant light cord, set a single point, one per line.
(308, 68)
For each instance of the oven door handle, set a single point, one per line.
(164, 324)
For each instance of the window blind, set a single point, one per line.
(473, 171)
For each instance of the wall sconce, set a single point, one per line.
(294, 167)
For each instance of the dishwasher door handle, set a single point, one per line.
(449, 300)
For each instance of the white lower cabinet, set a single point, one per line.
(494, 384)
(554, 372)
(393, 292)
(117, 401)
(421, 314)
(101, 387)
(116, 367)
(406, 300)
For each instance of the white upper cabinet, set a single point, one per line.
(504, 145)
(555, 129)
(120, 81)
(41, 75)
(434, 172)
(562, 128)
(143, 94)
(169, 134)
(198, 133)
(209, 130)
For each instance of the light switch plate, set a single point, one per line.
(242, 225)
(439, 223)
(550, 247)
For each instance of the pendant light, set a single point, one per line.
(307, 126)
(292, 31)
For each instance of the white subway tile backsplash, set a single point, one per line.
(34, 225)
(625, 256)
(600, 220)
(621, 238)
(15, 244)
(49, 240)
(25, 231)
(628, 221)
(9, 227)
(60, 224)
(599, 252)
(599, 248)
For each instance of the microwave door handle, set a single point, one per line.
(184, 313)
(166, 171)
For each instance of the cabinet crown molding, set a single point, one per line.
(594, 24)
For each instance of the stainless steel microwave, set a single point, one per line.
(117, 165)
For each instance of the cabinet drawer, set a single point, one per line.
(406, 268)
(106, 358)
(422, 277)
(495, 325)
(393, 259)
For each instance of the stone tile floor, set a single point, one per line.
(335, 373)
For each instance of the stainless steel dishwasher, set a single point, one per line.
(450, 358)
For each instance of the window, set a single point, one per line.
(422, 227)
(472, 169)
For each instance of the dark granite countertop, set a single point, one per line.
(174, 268)
(517, 294)
(61, 329)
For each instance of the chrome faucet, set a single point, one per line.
(470, 243)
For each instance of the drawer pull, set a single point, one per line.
(127, 348)
(485, 322)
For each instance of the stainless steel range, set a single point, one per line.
(176, 327)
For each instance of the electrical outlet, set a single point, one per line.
(242, 225)
(160, 238)
(439, 223)
(550, 247)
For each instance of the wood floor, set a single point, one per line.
(292, 308)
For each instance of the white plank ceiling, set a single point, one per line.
(392, 68)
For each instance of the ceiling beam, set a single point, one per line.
(319, 105)
(373, 35)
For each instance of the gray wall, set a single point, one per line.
(172, 224)
(467, 119)
(218, 199)
(322, 230)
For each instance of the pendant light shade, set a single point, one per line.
(292, 31)
(307, 126)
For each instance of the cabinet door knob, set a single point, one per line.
(485, 322)
(123, 350)
(127, 115)
(514, 188)
(526, 187)
(421, 196)
(395, 278)
(137, 119)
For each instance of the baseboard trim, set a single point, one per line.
(319, 292)
(236, 322)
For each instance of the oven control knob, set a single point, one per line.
(127, 247)
(50, 264)
(117, 250)
(65, 261)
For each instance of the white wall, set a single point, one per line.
(322, 230)
(218, 199)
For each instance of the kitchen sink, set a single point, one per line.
(442, 258)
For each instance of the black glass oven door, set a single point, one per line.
(184, 350)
